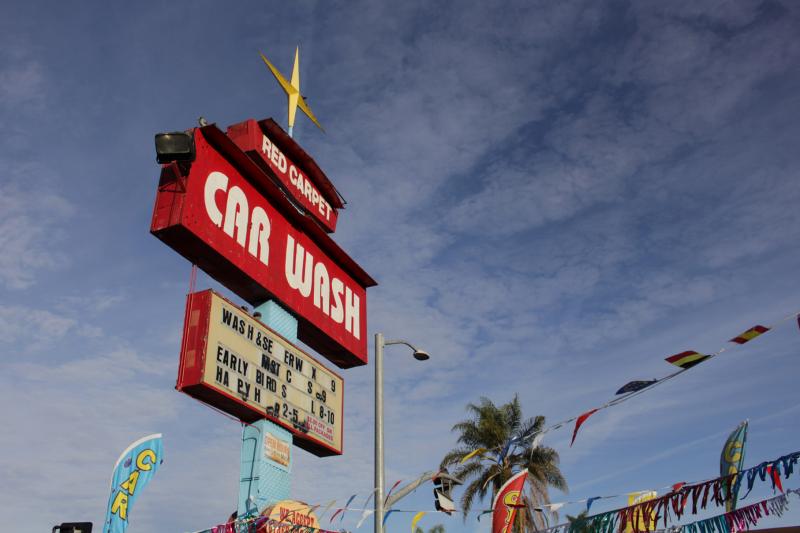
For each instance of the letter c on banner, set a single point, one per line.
(141, 464)
(216, 181)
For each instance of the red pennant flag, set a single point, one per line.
(750, 334)
(776, 477)
(579, 422)
(390, 490)
(677, 486)
(506, 503)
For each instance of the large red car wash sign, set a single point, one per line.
(277, 153)
(231, 360)
(223, 213)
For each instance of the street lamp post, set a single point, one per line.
(419, 355)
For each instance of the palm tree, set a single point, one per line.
(501, 442)
(580, 523)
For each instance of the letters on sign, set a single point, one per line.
(251, 230)
(263, 145)
(225, 224)
(233, 362)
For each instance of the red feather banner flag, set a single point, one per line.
(506, 503)
(579, 422)
(750, 334)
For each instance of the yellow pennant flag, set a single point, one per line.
(472, 454)
(416, 519)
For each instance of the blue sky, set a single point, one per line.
(553, 196)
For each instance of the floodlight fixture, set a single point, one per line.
(174, 146)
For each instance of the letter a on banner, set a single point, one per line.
(134, 469)
(506, 503)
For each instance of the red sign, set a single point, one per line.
(232, 361)
(221, 214)
(272, 149)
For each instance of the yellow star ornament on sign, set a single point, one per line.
(292, 90)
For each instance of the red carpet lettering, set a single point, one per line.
(296, 178)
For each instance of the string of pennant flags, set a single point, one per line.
(676, 502)
(684, 361)
(737, 520)
(740, 519)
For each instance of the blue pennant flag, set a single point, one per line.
(134, 469)
(634, 386)
(590, 501)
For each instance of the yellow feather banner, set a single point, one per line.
(416, 519)
(472, 454)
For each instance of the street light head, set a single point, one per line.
(421, 355)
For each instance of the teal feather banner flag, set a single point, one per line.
(731, 462)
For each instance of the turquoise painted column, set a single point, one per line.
(263, 481)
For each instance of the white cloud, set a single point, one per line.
(32, 328)
(29, 229)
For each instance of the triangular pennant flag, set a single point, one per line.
(553, 506)
(678, 486)
(687, 359)
(750, 334)
(417, 518)
(579, 422)
(327, 508)
(313, 508)
(346, 506)
(590, 501)
(364, 516)
(371, 494)
(776, 478)
(633, 386)
(388, 514)
(472, 454)
(390, 490)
